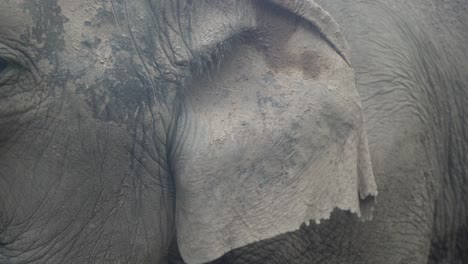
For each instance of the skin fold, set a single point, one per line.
(173, 131)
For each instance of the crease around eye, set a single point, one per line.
(12, 62)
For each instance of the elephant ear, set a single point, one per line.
(217, 218)
(231, 206)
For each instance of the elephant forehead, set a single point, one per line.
(88, 29)
(12, 18)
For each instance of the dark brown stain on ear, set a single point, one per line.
(312, 64)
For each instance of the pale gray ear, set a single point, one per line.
(210, 224)
(230, 193)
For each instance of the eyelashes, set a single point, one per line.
(210, 59)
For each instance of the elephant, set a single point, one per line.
(247, 131)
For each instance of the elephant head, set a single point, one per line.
(124, 123)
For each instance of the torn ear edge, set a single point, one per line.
(320, 19)
(367, 187)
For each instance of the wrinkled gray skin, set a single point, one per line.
(122, 121)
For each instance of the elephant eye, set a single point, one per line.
(10, 69)
(6, 65)
(3, 66)
(12, 62)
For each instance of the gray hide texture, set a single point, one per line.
(231, 129)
